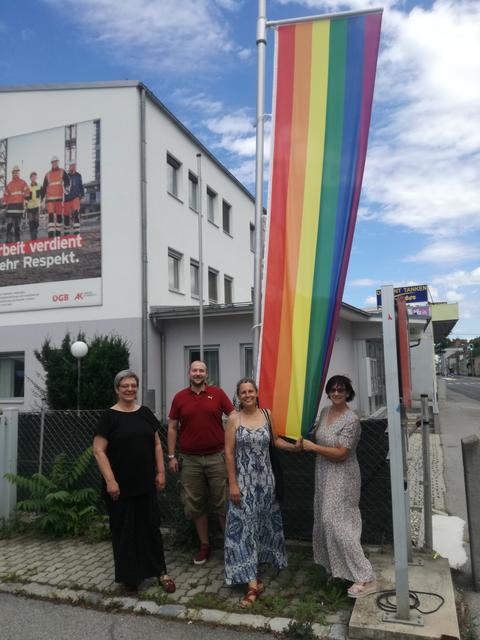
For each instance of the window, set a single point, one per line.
(226, 217)
(174, 270)
(194, 278)
(228, 289)
(213, 285)
(211, 204)
(192, 191)
(252, 237)
(12, 375)
(173, 175)
(246, 360)
(211, 359)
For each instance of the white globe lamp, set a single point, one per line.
(78, 350)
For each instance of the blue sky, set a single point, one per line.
(419, 215)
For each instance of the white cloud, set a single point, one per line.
(199, 102)
(371, 301)
(163, 36)
(238, 123)
(424, 161)
(458, 279)
(453, 296)
(245, 172)
(234, 134)
(444, 251)
(246, 54)
(363, 282)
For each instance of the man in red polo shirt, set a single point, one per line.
(198, 411)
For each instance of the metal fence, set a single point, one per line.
(43, 436)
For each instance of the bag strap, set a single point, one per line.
(269, 422)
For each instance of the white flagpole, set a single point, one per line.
(200, 251)
(261, 47)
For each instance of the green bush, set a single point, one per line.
(107, 355)
(62, 506)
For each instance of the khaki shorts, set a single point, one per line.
(204, 484)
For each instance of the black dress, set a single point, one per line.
(134, 517)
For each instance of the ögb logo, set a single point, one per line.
(60, 297)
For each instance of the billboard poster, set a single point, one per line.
(412, 294)
(50, 218)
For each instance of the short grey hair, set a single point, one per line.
(121, 375)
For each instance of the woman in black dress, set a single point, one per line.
(129, 454)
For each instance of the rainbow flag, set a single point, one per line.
(324, 79)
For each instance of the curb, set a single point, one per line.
(119, 604)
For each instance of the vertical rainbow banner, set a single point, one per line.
(324, 79)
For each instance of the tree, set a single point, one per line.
(107, 355)
(474, 346)
(443, 344)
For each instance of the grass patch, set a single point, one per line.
(331, 592)
(308, 609)
(13, 527)
(302, 630)
(210, 601)
(13, 577)
(159, 597)
(470, 628)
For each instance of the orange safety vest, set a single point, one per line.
(16, 191)
(55, 184)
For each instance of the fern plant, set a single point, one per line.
(63, 508)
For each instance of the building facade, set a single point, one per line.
(147, 178)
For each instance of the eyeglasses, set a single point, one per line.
(128, 386)
(338, 390)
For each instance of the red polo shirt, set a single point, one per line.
(200, 418)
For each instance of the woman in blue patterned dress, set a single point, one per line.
(254, 527)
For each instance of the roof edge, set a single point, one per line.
(109, 84)
(158, 103)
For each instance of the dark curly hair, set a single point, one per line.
(341, 381)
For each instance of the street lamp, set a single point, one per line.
(78, 350)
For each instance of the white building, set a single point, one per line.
(147, 184)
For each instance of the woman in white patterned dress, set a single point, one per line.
(337, 524)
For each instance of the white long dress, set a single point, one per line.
(337, 526)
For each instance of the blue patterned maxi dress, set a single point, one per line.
(254, 528)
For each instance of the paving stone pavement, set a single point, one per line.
(77, 571)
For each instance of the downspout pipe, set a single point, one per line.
(143, 230)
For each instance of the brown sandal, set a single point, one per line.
(249, 598)
(167, 583)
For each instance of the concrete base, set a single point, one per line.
(368, 621)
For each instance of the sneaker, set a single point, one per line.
(202, 555)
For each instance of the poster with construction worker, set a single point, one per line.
(50, 218)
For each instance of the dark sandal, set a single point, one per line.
(249, 598)
(167, 583)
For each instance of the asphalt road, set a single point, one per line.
(25, 619)
(467, 386)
